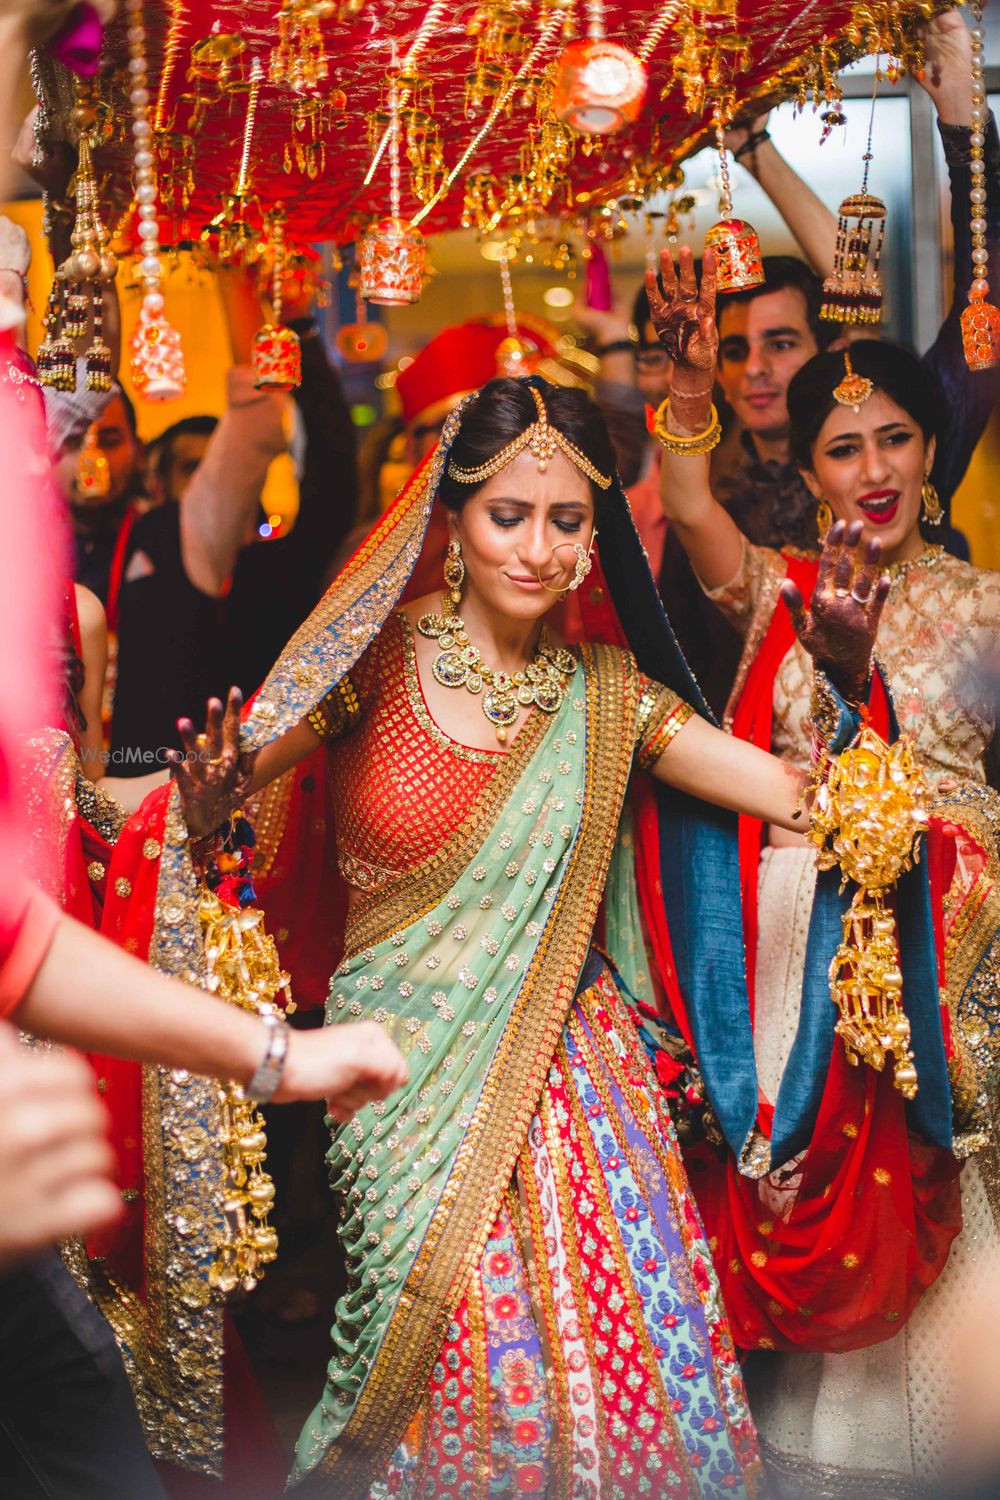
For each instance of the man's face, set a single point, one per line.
(761, 345)
(114, 438)
(186, 452)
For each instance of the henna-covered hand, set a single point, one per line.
(683, 313)
(213, 774)
(839, 627)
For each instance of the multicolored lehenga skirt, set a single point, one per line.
(591, 1355)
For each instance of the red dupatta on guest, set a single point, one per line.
(833, 1250)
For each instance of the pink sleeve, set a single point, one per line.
(24, 941)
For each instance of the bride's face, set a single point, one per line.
(520, 527)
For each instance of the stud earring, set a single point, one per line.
(454, 570)
(933, 510)
(824, 519)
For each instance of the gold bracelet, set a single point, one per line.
(702, 442)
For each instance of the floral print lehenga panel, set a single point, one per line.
(590, 1356)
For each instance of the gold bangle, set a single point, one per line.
(701, 442)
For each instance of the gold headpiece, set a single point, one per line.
(854, 389)
(541, 441)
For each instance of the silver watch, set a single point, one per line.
(264, 1083)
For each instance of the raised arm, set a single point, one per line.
(684, 318)
(805, 214)
(219, 506)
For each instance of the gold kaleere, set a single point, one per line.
(869, 809)
(244, 970)
(854, 292)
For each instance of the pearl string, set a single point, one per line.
(157, 360)
(144, 161)
(980, 254)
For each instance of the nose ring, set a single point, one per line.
(581, 566)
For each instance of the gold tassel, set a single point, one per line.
(244, 970)
(869, 809)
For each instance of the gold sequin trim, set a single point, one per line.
(667, 717)
(335, 713)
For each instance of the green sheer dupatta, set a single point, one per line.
(471, 963)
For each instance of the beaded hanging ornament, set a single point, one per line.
(277, 353)
(854, 292)
(734, 241)
(76, 301)
(391, 253)
(980, 321)
(157, 360)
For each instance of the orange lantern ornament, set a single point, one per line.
(599, 85)
(362, 343)
(734, 241)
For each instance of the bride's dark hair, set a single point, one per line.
(503, 409)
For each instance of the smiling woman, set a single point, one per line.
(864, 435)
(868, 448)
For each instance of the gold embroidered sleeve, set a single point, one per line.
(339, 711)
(661, 714)
(738, 598)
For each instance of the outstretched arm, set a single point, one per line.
(91, 995)
(838, 630)
(684, 318)
(215, 775)
(806, 215)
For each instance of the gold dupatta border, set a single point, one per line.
(183, 1180)
(460, 1225)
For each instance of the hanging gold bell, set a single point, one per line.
(276, 358)
(392, 262)
(738, 259)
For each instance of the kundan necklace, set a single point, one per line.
(459, 664)
(932, 554)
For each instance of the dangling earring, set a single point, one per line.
(454, 570)
(933, 511)
(824, 519)
(583, 562)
